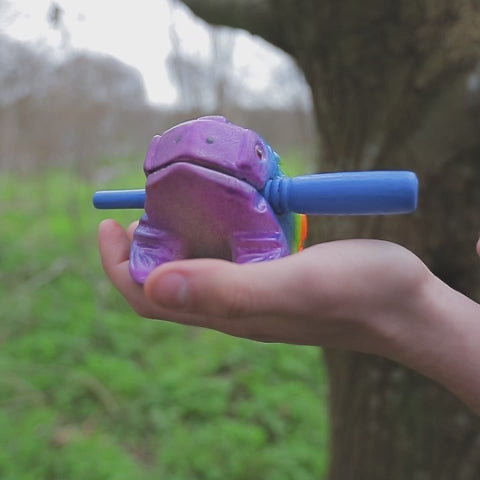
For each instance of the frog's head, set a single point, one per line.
(216, 144)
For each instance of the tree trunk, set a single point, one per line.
(392, 85)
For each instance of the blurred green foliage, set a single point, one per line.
(88, 390)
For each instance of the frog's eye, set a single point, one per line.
(259, 151)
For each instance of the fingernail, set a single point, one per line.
(171, 290)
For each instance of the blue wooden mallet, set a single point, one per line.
(344, 193)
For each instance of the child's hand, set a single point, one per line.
(342, 294)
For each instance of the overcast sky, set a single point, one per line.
(138, 32)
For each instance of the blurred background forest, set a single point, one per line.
(87, 389)
(62, 106)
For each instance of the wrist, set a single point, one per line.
(391, 313)
(412, 331)
(436, 334)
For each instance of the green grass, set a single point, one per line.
(88, 390)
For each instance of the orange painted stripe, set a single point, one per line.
(303, 231)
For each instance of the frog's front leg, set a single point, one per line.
(152, 247)
(258, 246)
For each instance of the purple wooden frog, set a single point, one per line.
(204, 198)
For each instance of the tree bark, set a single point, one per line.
(389, 84)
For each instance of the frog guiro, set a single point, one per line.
(215, 189)
(205, 182)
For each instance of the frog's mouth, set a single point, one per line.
(205, 165)
(182, 179)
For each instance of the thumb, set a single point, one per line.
(224, 289)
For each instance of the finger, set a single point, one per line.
(114, 247)
(223, 289)
(113, 244)
(131, 230)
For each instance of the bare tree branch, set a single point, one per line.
(256, 16)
